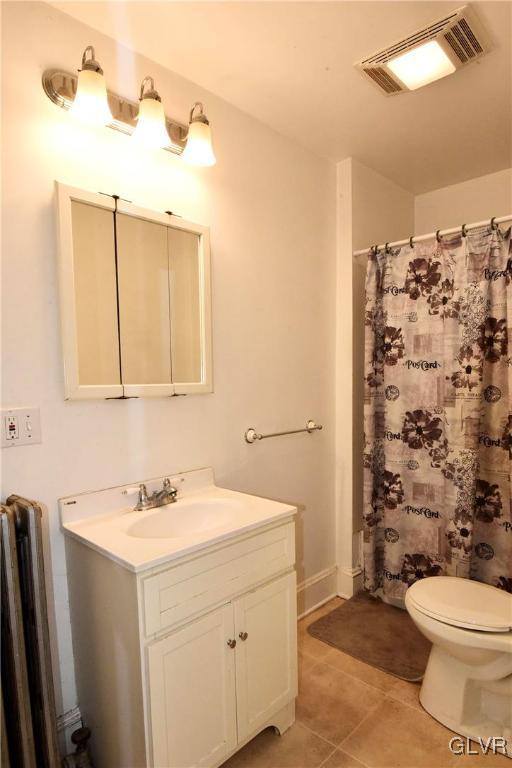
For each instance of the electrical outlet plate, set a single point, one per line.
(20, 426)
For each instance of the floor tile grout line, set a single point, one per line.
(338, 745)
(411, 706)
(342, 747)
(308, 728)
(360, 679)
(352, 677)
(327, 758)
(386, 694)
(338, 749)
(365, 718)
(365, 682)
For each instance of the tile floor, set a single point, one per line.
(351, 715)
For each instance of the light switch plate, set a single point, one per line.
(20, 426)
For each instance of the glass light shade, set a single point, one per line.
(422, 65)
(90, 103)
(150, 129)
(199, 150)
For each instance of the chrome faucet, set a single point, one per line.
(168, 495)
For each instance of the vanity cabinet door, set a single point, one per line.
(192, 693)
(266, 652)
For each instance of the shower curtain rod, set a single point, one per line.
(439, 233)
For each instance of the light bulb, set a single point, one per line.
(91, 103)
(151, 128)
(199, 150)
(422, 65)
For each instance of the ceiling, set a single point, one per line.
(290, 65)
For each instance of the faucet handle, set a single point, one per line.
(143, 494)
(143, 501)
(169, 489)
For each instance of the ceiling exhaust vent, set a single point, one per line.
(428, 54)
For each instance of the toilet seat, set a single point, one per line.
(463, 603)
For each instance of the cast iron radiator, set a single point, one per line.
(29, 739)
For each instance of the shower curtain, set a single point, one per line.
(437, 413)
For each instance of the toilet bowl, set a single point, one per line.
(468, 680)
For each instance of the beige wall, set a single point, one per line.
(470, 201)
(381, 210)
(271, 209)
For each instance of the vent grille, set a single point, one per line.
(459, 33)
(423, 36)
(463, 41)
(383, 79)
(455, 47)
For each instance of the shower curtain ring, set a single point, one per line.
(464, 231)
(494, 226)
(411, 242)
(386, 248)
(438, 236)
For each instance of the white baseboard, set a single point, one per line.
(316, 590)
(350, 582)
(312, 608)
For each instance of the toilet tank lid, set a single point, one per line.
(463, 603)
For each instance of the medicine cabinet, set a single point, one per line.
(135, 299)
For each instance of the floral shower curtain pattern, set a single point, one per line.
(438, 413)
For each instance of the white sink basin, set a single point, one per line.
(203, 515)
(185, 518)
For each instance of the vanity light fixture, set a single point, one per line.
(91, 103)
(151, 129)
(199, 149)
(87, 96)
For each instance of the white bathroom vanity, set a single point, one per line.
(184, 621)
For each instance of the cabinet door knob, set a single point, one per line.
(231, 643)
(243, 636)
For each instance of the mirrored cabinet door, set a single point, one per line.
(144, 309)
(191, 331)
(87, 278)
(95, 283)
(135, 299)
(185, 278)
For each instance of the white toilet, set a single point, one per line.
(468, 680)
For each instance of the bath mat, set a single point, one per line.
(376, 633)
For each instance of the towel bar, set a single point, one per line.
(251, 435)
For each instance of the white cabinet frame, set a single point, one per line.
(73, 390)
